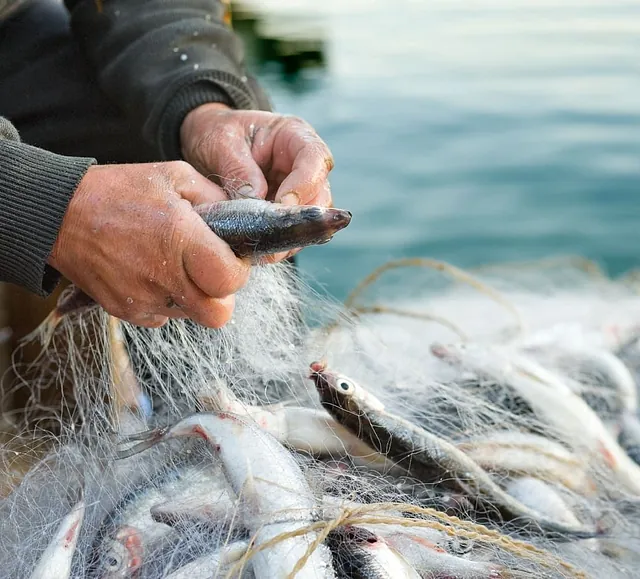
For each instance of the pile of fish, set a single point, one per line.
(376, 447)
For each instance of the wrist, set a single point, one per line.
(70, 221)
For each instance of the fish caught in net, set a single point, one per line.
(439, 424)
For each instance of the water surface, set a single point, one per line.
(472, 132)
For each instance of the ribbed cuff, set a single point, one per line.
(35, 189)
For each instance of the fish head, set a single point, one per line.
(343, 397)
(335, 388)
(315, 225)
(122, 556)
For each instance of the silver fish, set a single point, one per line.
(125, 540)
(55, 562)
(358, 553)
(275, 496)
(424, 455)
(522, 453)
(212, 564)
(551, 399)
(310, 430)
(431, 560)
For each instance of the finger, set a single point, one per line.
(210, 312)
(195, 187)
(307, 181)
(146, 320)
(229, 157)
(209, 262)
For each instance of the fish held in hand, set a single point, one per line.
(255, 228)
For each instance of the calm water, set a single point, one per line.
(475, 131)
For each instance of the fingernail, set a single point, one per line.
(246, 191)
(290, 198)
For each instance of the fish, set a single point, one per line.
(552, 400)
(359, 553)
(432, 561)
(131, 405)
(426, 456)
(309, 430)
(256, 228)
(274, 495)
(607, 383)
(522, 453)
(126, 537)
(203, 501)
(253, 228)
(55, 562)
(212, 564)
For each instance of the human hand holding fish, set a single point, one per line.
(163, 263)
(259, 154)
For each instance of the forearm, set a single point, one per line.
(159, 60)
(35, 189)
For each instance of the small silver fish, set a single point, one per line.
(55, 562)
(275, 495)
(358, 553)
(212, 564)
(125, 539)
(551, 399)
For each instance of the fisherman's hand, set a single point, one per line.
(132, 241)
(258, 154)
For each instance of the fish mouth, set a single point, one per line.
(337, 219)
(145, 440)
(317, 374)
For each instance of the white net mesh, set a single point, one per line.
(488, 428)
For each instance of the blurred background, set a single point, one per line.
(473, 132)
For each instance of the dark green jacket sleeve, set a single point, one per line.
(159, 59)
(35, 189)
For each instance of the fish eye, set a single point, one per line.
(112, 562)
(345, 385)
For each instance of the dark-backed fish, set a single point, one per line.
(426, 456)
(253, 228)
(359, 553)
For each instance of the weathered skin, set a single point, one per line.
(253, 228)
(55, 562)
(426, 456)
(274, 495)
(358, 553)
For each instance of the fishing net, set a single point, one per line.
(524, 373)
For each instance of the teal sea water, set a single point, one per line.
(471, 132)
